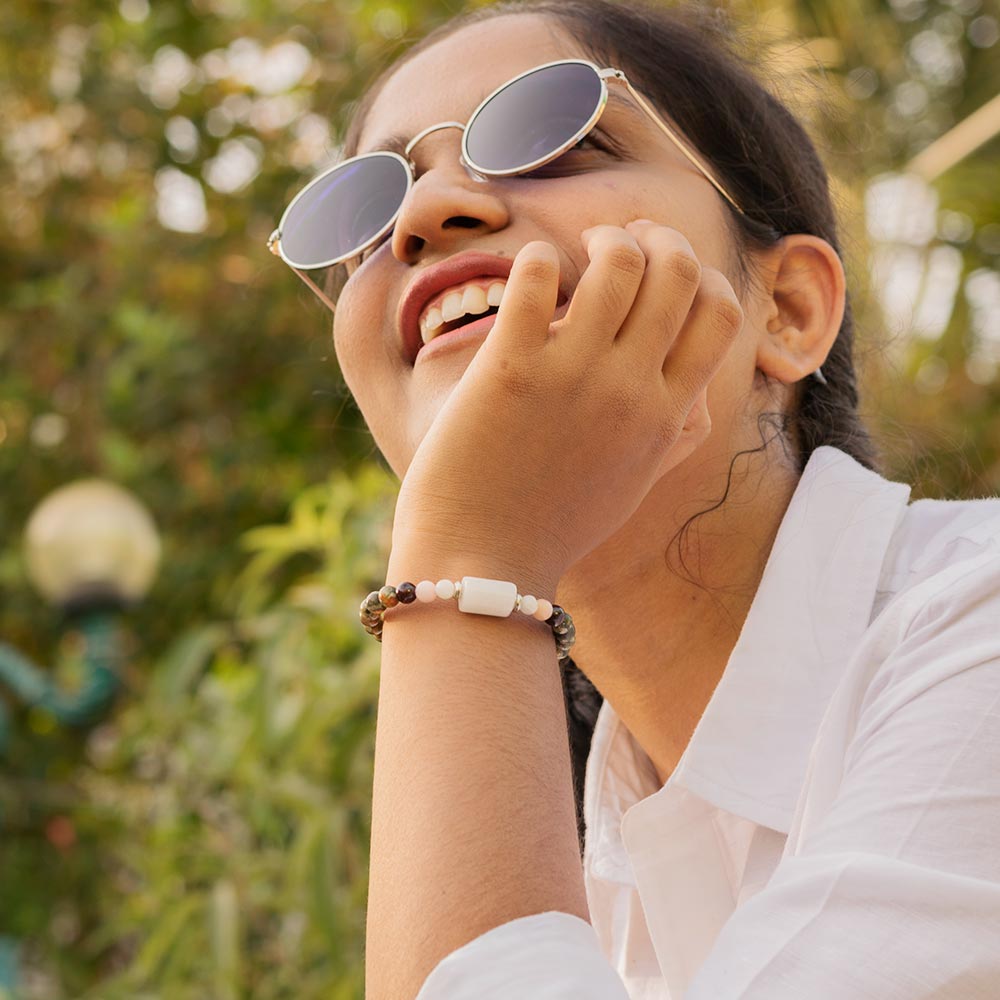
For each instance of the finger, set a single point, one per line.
(529, 301)
(673, 275)
(606, 291)
(712, 326)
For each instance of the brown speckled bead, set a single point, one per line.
(388, 596)
(373, 602)
(406, 592)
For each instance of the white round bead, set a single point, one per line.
(529, 605)
(445, 589)
(544, 609)
(426, 591)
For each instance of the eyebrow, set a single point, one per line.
(617, 101)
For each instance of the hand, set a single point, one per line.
(558, 430)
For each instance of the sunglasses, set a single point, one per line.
(523, 125)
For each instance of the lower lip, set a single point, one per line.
(466, 334)
(456, 338)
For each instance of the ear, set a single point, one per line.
(807, 289)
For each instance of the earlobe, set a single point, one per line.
(806, 308)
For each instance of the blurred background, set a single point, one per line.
(184, 788)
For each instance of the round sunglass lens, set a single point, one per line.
(341, 211)
(532, 117)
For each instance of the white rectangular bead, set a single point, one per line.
(481, 596)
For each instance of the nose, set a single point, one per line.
(446, 205)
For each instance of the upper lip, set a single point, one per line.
(453, 271)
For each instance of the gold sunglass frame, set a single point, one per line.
(604, 75)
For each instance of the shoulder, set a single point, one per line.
(933, 536)
(912, 732)
(942, 565)
(941, 596)
(936, 617)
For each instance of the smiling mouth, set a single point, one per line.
(454, 331)
(468, 320)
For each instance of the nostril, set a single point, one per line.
(413, 245)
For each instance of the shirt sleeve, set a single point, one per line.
(544, 956)
(894, 894)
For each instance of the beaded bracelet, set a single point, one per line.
(476, 595)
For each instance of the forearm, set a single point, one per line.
(473, 819)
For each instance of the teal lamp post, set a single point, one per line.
(92, 550)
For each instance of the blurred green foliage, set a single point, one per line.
(210, 838)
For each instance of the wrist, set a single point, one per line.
(420, 556)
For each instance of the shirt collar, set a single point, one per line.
(749, 750)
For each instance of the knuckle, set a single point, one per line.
(728, 315)
(683, 265)
(536, 271)
(626, 258)
(724, 307)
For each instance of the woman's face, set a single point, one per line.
(447, 212)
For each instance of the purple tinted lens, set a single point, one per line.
(533, 117)
(339, 213)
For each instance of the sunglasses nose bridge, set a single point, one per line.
(473, 174)
(469, 169)
(427, 131)
(408, 150)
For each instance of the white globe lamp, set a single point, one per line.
(90, 543)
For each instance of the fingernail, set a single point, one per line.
(650, 221)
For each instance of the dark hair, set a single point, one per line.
(761, 154)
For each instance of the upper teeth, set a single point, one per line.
(471, 298)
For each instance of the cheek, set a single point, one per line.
(357, 331)
(373, 374)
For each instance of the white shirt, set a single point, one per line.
(832, 829)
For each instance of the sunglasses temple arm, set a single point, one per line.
(324, 298)
(695, 160)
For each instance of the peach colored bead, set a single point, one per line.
(445, 589)
(529, 605)
(426, 591)
(544, 610)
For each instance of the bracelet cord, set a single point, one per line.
(374, 606)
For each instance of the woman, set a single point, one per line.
(790, 790)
